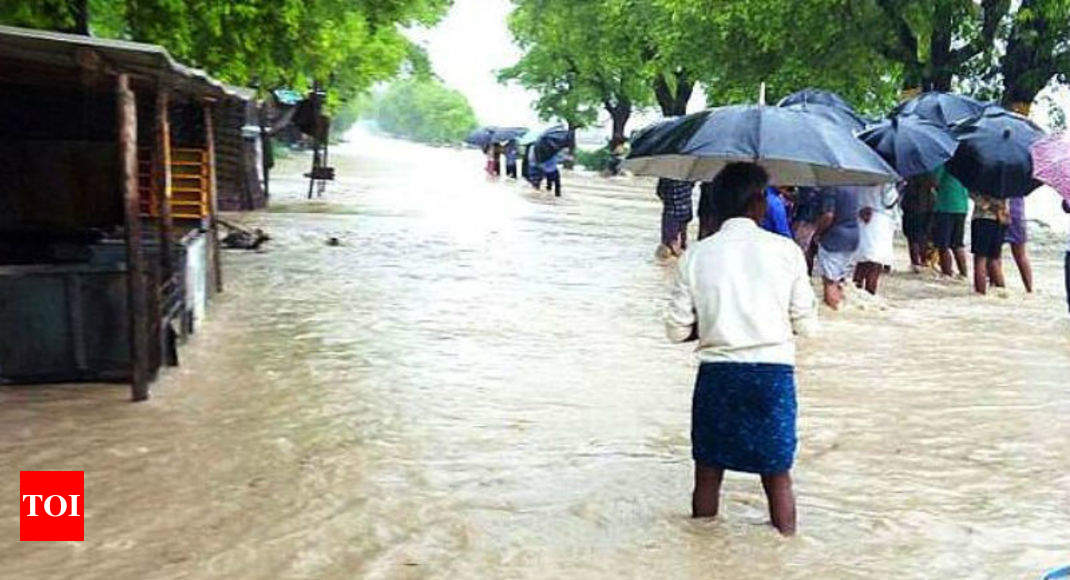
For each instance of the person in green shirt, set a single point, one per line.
(949, 221)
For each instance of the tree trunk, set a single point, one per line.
(673, 103)
(80, 10)
(619, 115)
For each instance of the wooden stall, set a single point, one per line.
(108, 204)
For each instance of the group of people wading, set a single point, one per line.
(532, 170)
(848, 232)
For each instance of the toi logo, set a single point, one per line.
(51, 506)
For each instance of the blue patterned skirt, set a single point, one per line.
(743, 417)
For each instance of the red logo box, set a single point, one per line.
(51, 506)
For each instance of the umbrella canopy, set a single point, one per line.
(484, 136)
(994, 157)
(941, 108)
(797, 148)
(532, 135)
(1051, 162)
(550, 142)
(815, 97)
(844, 117)
(912, 145)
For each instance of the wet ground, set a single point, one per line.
(475, 384)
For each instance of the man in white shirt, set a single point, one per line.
(743, 293)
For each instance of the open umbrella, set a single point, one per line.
(550, 142)
(844, 117)
(797, 148)
(941, 108)
(994, 157)
(912, 145)
(1051, 162)
(815, 97)
(486, 135)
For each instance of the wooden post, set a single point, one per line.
(161, 177)
(161, 171)
(126, 115)
(265, 142)
(213, 202)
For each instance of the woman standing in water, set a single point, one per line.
(742, 293)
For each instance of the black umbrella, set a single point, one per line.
(796, 147)
(994, 156)
(815, 97)
(941, 108)
(550, 142)
(912, 145)
(844, 117)
(486, 135)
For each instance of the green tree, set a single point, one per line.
(580, 55)
(1001, 49)
(423, 110)
(1038, 50)
(348, 45)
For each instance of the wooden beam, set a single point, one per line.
(161, 171)
(126, 116)
(213, 202)
(161, 176)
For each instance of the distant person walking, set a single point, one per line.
(534, 168)
(1017, 236)
(949, 222)
(876, 232)
(552, 173)
(489, 167)
(743, 293)
(837, 231)
(510, 158)
(676, 213)
(987, 229)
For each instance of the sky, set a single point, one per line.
(467, 48)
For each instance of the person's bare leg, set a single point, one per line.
(960, 261)
(995, 273)
(980, 273)
(832, 293)
(859, 277)
(1021, 258)
(873, 276)
(915, 254)
(945, 262)
(781, 501)
(706, 499)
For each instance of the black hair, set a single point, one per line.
(732, 191)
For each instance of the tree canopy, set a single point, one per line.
(347, 45)
(579, 57)
(870, 51)
(423, 109)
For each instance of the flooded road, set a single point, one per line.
(475, 383)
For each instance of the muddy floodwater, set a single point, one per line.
(475, 383)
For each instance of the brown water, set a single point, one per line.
(475, 384)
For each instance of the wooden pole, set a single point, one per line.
(161, 176)
(265, 143)
(161, 171)
(213, 202)
(126, 115)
